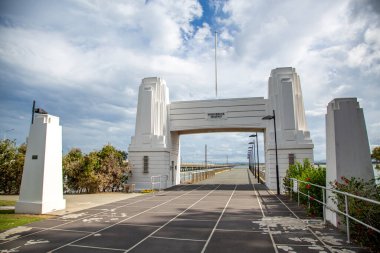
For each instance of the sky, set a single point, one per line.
(83, 61)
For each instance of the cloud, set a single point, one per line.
(84, 60)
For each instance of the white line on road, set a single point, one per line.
(220, 217)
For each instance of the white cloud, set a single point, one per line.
(85, 59)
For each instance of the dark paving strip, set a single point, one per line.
(186, 229)
(199, 215)
(149, 219)
(227, 241)
(24, 236)
(220, 217)
(70, 218)
(143, 230)
(167, 245)
(106, 238)
(207, 217)
(43, 241)
(167, 232)
(85, 249)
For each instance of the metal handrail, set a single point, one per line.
(154, 182)
(337, 191)
(324, 203)
(193, 175)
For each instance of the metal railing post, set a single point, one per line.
(324, 204)
(345, 212)
(308, 199)
(298, 192)
(347, 219)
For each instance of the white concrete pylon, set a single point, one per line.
(41, 187)
(293, 137)
(347, 147)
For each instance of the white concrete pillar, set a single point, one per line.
(293, 137)
(347, 146)
(41, 186)
(151, 139)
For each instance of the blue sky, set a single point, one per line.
(83, 61)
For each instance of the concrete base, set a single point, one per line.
(283, 163)
(40, 207)
(158, 165)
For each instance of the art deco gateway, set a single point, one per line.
(155, 148)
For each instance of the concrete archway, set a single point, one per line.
(155, 147)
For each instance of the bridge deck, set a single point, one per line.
(224, 214)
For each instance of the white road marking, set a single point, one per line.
(262, 211)
(11, 234)
(134, 246)
(177, 239)
(216, 224)
(96, 232)
(32, 242)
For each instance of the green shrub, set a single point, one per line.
(98, 171)
(364, 211)
(308, 173)
(11, 166)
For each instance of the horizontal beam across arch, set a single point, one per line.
(219, 115)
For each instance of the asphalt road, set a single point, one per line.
(228, 213)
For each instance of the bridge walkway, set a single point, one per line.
(228, 213)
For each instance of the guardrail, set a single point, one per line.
(294, 187)
(262, 175)
(194, 166)
(190, 177)
(157, 181)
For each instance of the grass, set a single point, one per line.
(8, 219)
(7, 202)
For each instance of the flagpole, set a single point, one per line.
(216, 66)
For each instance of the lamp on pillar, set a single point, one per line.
(253, 147)
(250, 157)
(270, 117)
(249, 160)
(258, 159)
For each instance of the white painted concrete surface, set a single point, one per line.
(347, 146)
(41, 187)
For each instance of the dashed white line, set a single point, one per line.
(92, 247)
(120, 221)
(134, 246)
(262, 211)
(220, 217)
(177, 239)
(68, 222)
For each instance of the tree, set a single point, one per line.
(376, 154)
(72, 166)
(113, 167)
(103, 170)
(91, 179)
(19, 166)
(11, 166)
